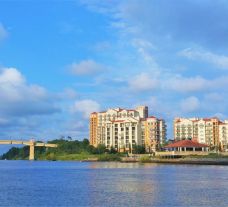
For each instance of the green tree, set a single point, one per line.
(101, 149)
(138, 149)
(112, 150)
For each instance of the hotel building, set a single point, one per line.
(223, 135)
(124, 128)
(210, 131)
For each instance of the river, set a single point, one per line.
(41, 183)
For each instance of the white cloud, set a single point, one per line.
(153, 103)
(214, 97)
(11, 76)
(142, 43)
(3, 32)
(86, 107)
(68, 93)
(176, 82)
(86, 67)
(190, 104)
(194, 84)
(13, 87)
(143, 82)
(3, 121)
(27, 110)
(19, 98)
(219, 61)
(186, 84)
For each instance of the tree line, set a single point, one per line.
(65, 146)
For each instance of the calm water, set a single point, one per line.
(24, 183)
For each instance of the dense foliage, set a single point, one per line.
(21, 153)
(68, 150)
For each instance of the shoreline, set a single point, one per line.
(183, 162)
(141, 159)
(186, 160)
(173, 162)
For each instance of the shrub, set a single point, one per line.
(145, 158)
(109, 157)
(51, 156)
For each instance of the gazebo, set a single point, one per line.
(186, 145)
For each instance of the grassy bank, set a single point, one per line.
(81, 157)
(76, 157)
(109, 157)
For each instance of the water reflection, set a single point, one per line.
(111, 184)
(134, 165)
(121, 185)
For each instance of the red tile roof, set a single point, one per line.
(153, 117)
(185, 143)
(118, 121)
(207, 119)
(210, 119)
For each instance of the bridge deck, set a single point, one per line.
(36, 144)
(45, 145)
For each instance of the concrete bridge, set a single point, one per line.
(31, 143)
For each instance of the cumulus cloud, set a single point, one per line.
(194, 83)
(26, 110)
(20, 98)
(142, 82)
(186, 84)
(177, 83)
(3, 32)
(86, 107)
(68, 93)
(142, 43)
(144, 48)
(214, 97)
(155, 105)
(190, 104)
(167, 23)
(183, 21)
(220, 61)
(86, 67)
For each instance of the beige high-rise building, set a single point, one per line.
(123, 128)
(223, 135)
(93, 128)
(210, 131)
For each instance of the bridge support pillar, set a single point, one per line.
(31, 151)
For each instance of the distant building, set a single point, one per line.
(124, 128)
(210, 131)
(223, 135)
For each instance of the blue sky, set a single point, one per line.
(61, 60)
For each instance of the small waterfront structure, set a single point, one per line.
(186, 145)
